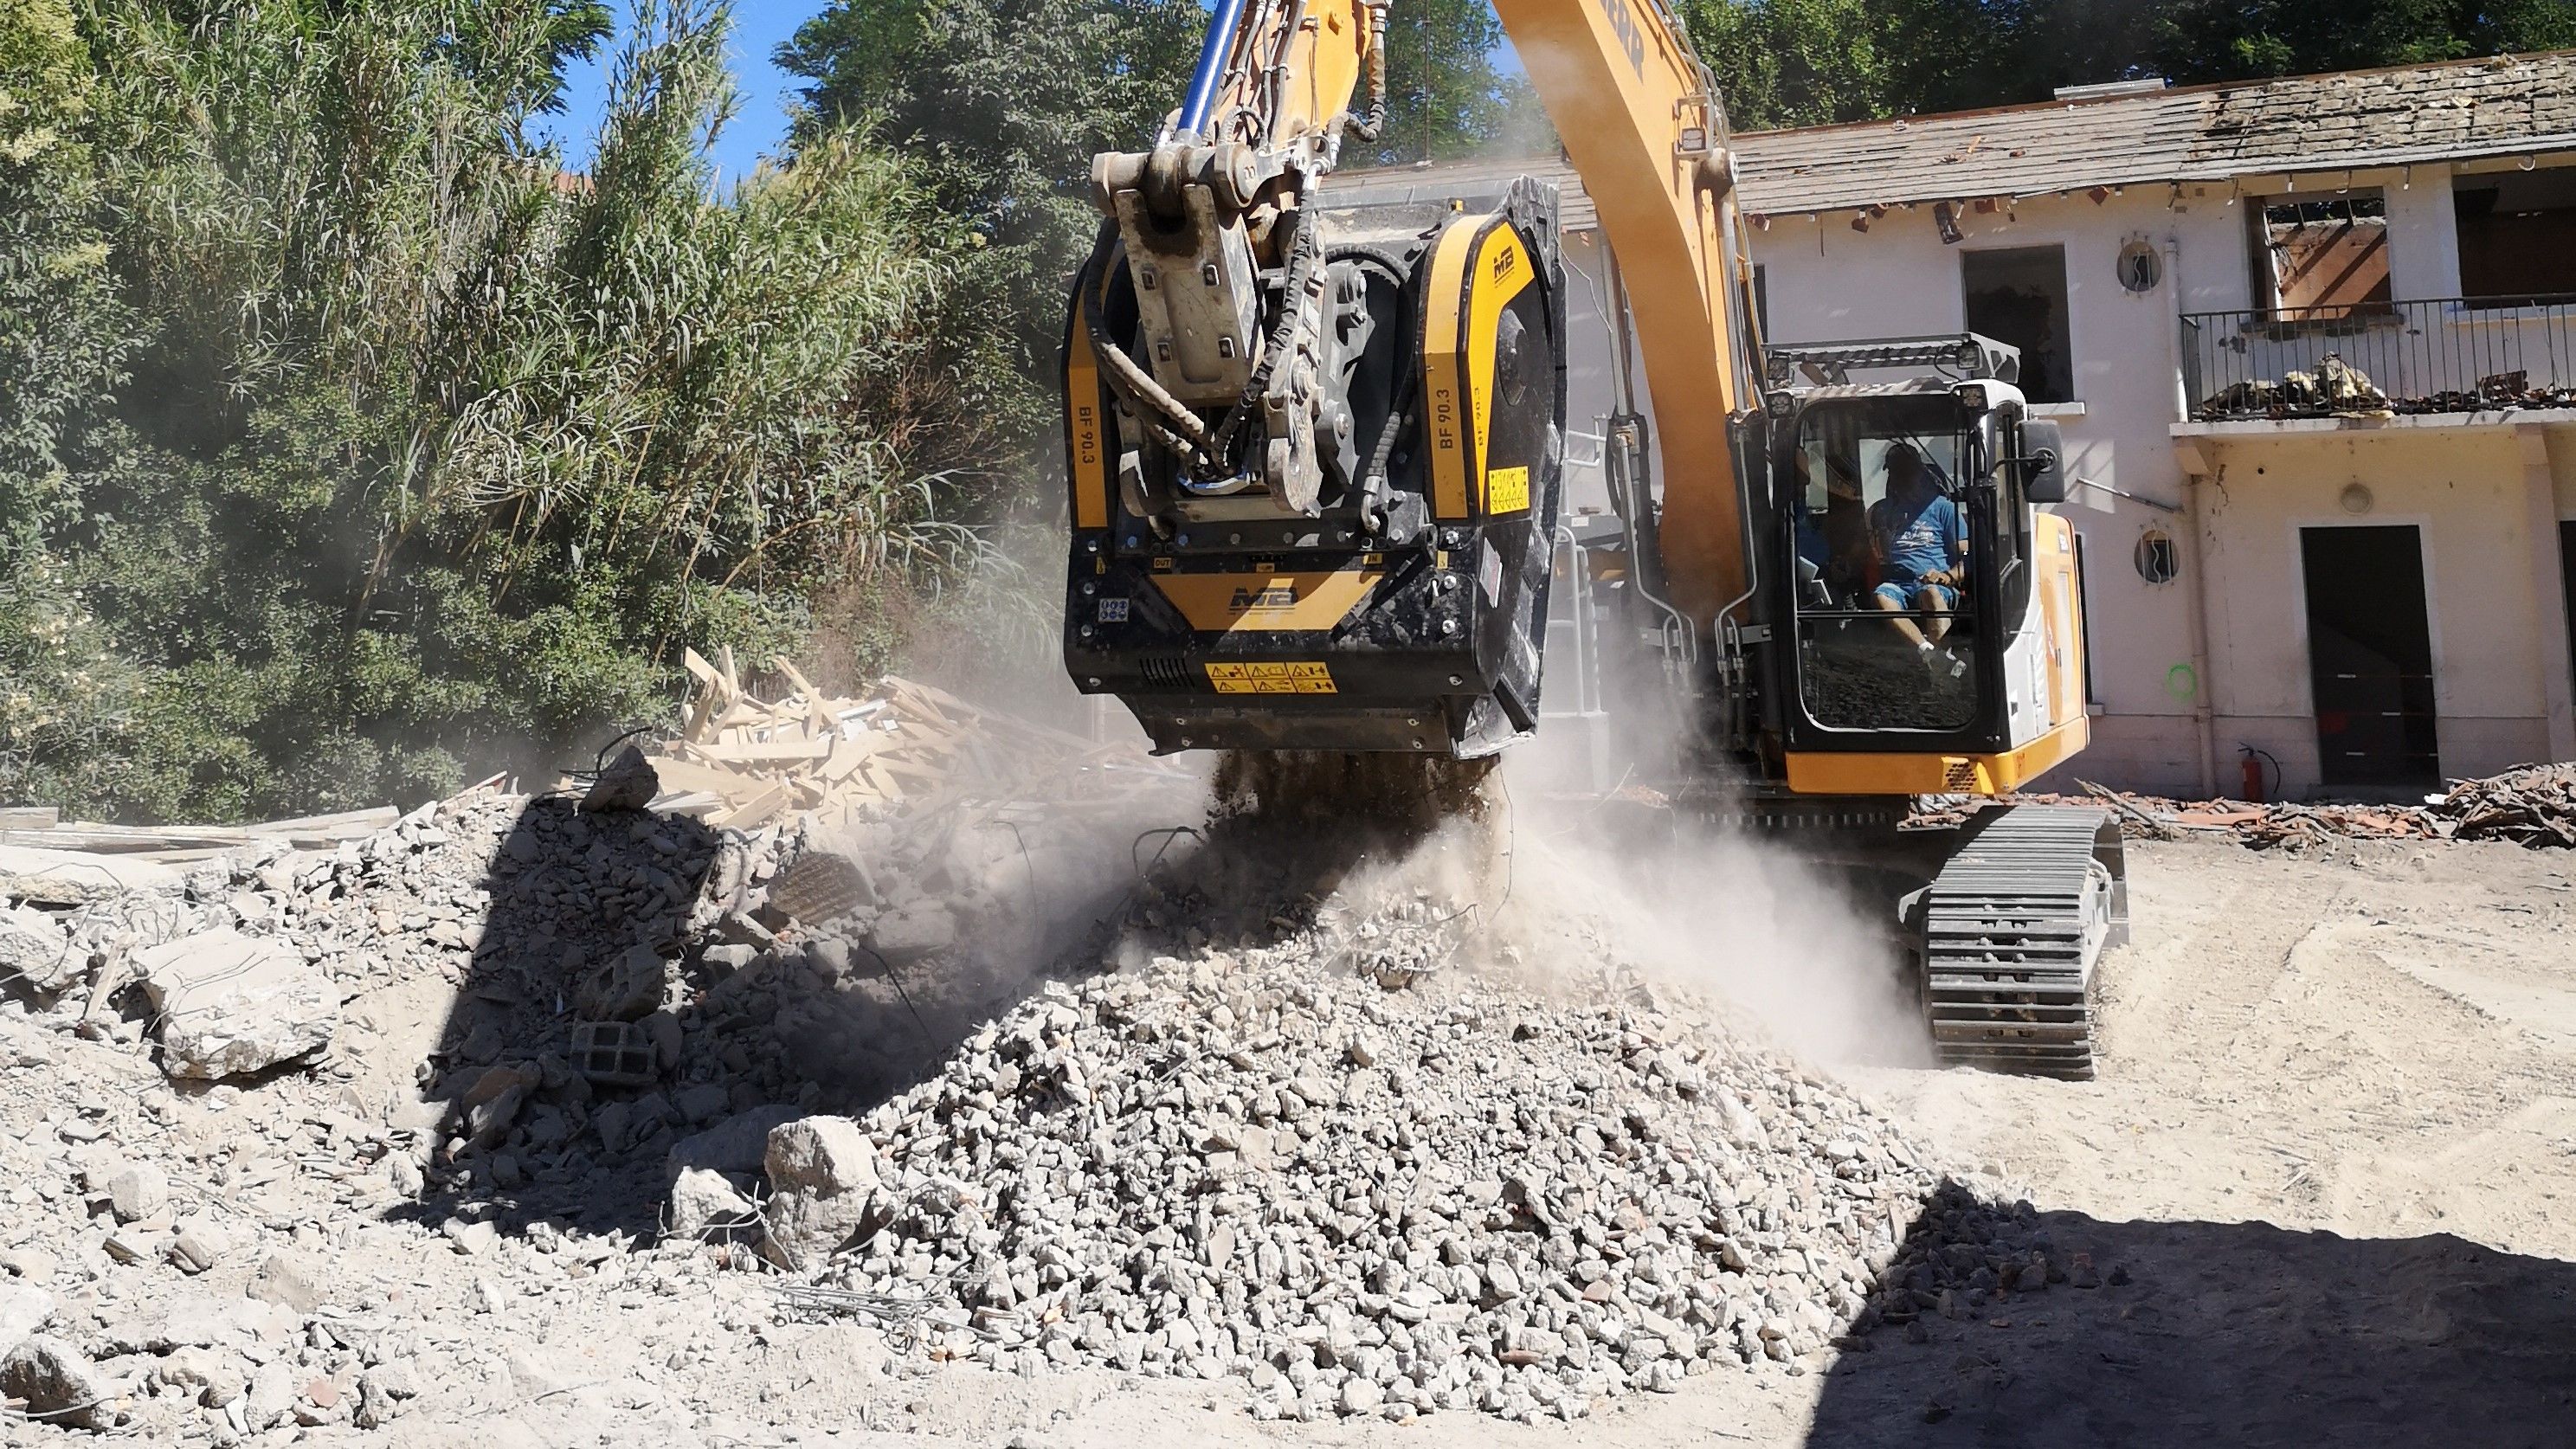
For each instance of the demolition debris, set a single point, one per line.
(2532, 806)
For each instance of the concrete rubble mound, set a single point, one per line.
(1369, 1201)
(335, 1134)
(2532, 806)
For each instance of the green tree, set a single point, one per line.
(1446, 99)
(432, 451)
(1790, 62)
(1001, 104)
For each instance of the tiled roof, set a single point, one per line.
(2456, 110)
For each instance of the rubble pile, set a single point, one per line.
(899, 748)
(331, 1136)
(2533, 806)
(1365, 1201)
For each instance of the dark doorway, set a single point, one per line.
(2567, 581)
(2018, 295)
(2370, 655)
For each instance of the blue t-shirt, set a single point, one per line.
(1918, 536)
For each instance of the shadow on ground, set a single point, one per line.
(2227, 1333)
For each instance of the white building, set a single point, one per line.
(2369, 590)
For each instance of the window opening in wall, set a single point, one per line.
(2517, 233)
(2370, 655)
(2157, 563)
(2018, 295)
(2324, 258)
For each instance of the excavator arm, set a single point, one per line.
(1642, 122)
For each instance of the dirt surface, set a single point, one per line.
(2319, 1183)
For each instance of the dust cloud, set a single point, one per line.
(1708, 909)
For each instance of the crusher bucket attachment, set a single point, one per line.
(1394, 595)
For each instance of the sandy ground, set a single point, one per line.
(2328, 1152)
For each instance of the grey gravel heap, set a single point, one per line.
(1376, 1202)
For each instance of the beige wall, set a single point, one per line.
(2467, 490)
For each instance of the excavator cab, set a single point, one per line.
(1914, 642)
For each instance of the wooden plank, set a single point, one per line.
(359, 822)
(846, 757)
(29, 817)
(692, 802)
(97, 839)
(744, 714)
(698, 667)
(689, 775)
(795, 677)
(752, 813)
(765, 752)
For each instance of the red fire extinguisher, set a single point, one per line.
(2252, 765)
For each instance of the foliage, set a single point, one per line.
(1807, 62)
(1791, 62)
(430, 451)
(1446, 99)
(1001, 104)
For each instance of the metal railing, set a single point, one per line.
(2449, 355)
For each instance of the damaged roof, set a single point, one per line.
(2456, 110)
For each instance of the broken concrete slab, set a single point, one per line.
(70, 877)
(36, 950)
(628, 783)
(231, 1004)
(23, 1310)
(702, 1201)
(913, 930)
(288, 1281)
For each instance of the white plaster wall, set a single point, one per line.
(2463, 489)
(1825, 281)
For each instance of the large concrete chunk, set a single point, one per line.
(231, 1004)
(823, 1183)
(740, 1143)
(57, 1385)
(35, 950)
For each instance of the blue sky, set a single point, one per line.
(759, 27)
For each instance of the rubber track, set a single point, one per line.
(2013, 927)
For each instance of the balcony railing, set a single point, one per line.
(2453, 355)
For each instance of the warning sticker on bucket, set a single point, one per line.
(1271, 678)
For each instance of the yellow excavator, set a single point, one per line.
(1316, 447)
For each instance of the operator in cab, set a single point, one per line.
(1921, 540)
